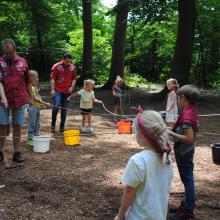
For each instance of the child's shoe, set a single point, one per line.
(182, 215)
(30, 143)
(91, 130)
(83, 130)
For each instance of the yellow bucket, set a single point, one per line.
(71, 137)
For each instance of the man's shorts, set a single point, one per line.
(17, 115)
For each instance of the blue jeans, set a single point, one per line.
(185, 166)
(34, 122)
(60, 100)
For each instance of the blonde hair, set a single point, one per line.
(89, 82)
(118, 79)
(174, 82)
(33, 73)
(153, 121)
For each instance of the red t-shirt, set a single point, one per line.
(15, 77)
(63, 76)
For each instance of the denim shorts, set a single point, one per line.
(17, 115)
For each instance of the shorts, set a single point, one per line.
(117, 100)
(85, 111)
(17, 115)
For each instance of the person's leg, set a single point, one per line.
(89, 119)
(57, 104)
(32, 122)
(37, 123)
(64, 105)
(16, 137)
(116, 113)
(185, 168)
(186, 175)
(18, 122)
(3, 134)
(4, 124)
(83, 120)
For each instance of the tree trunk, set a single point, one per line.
(184, 42)
(42, 56)
(87, 41)
(117, 63)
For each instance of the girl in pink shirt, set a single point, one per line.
(171, 108)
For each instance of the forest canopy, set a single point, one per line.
(45, 29)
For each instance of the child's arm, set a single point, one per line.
(134, 175)
(115, 93)
(127, 199)
(4, 100)
(73, 95)
(36, 99)
(187, 137)
(97, 101)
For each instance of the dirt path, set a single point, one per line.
(83, 182)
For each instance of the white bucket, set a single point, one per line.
(41, 144)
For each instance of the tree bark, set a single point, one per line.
(184, 44)
(87, 61)
(117, 63)
(185, 40)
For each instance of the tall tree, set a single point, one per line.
(184, 42)
(41, 19)
(117, 63)
(87, 40)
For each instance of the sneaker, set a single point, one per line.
(30, 143)
(52, 128)
(182, 215)
(1, 156)
(17, 157)
(62, 130)
(83, 130)
(90, 130)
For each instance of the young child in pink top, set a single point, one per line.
(171, 108)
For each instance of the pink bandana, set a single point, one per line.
(189, 115)
(149, 136)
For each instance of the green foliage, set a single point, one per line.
(206, 66)
(101, 52)
(216, 83)
(151, 47)
(135, 80)
(44, 29)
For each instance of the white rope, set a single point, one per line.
(124, 116)
(59, 136)
(96, 113)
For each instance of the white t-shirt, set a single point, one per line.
(146, 172)
(86, 100)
